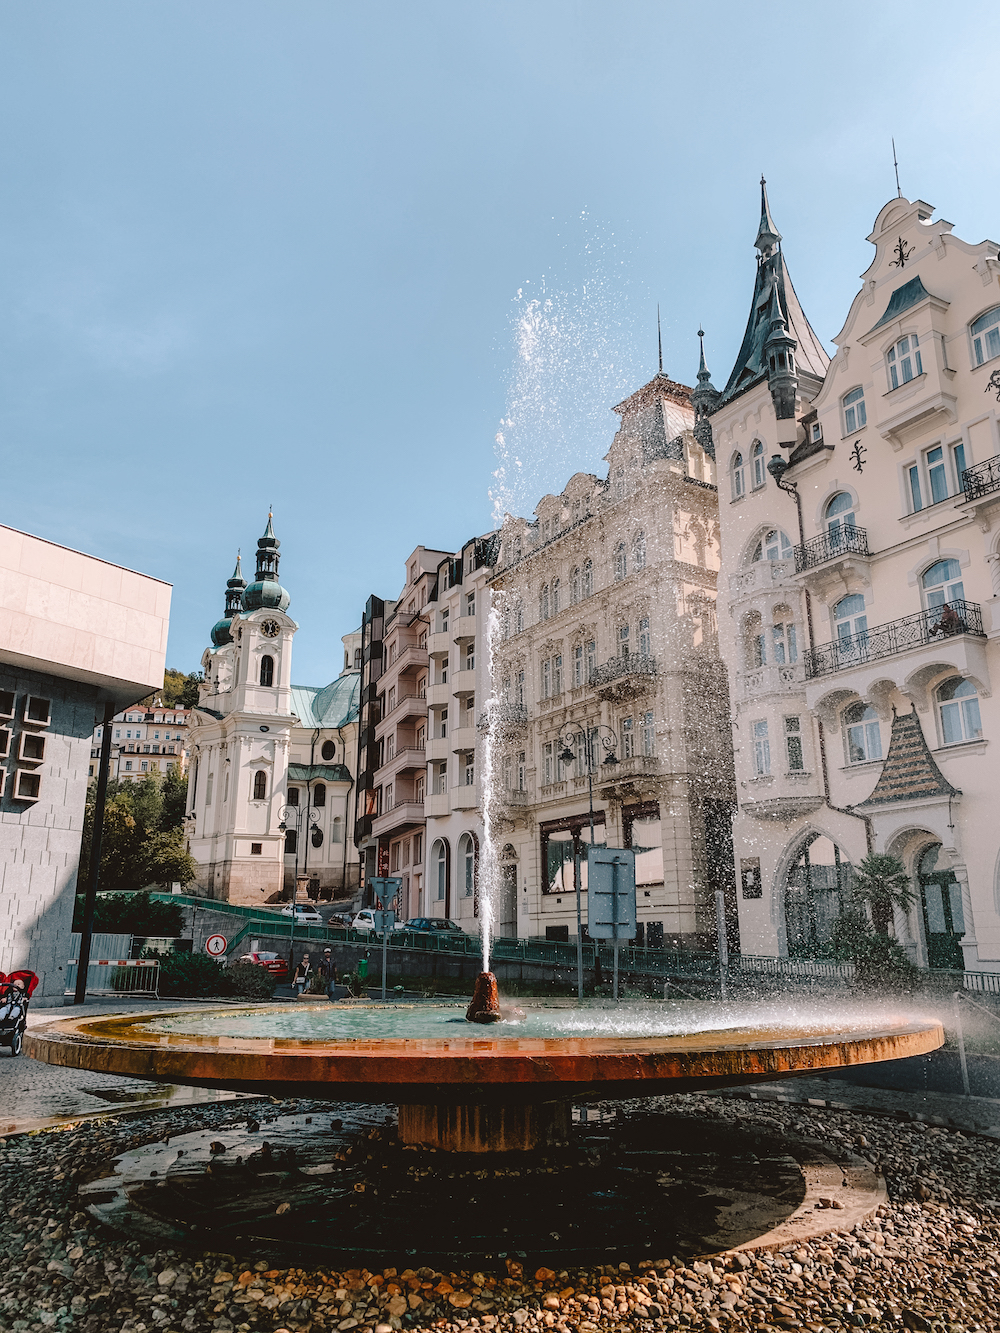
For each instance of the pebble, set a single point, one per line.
(928, 1262)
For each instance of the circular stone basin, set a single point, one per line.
(461, 1087)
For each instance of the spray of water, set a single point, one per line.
(489, 861)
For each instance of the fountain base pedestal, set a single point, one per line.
(479, 1128)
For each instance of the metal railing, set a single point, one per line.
(505, 717)
(897, 636)
(829, 546)
(981, 479)
(117, 976)
(626, 664)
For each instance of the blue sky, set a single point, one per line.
(313, 254)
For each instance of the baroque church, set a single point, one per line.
(271, 787)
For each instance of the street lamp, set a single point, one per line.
(592, 740)
(297, 815)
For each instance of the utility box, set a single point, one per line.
(611, 893)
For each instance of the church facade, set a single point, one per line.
(271, 776)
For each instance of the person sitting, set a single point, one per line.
(950, 621)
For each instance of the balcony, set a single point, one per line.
(463, 739)
(834, 563)
(439, 694)
(981, 480)
(439, 747)
(624, 677)
(506, 719)
(831, 546)
(515, 797)
(407, 759)
(463, 683)
(612, 779)
(465, 797)
(403, 815)
(439, 644)
(897, 636)
(437, 805)
(410, 658)
(406, 706)
(765, 680)
(465, 628)
(761, 576)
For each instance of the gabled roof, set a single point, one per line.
(333, 705)
(909, 772)
(910, 294)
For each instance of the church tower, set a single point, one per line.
(240, 737)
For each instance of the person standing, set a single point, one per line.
(328, 971)
(302, 975)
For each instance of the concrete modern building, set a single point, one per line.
(147, 738)
(270, 789)
(607, 660)
(77, 635)
(861, 588)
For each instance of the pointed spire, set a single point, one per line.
(768, 235)
(704, 375)
(237, 579)
(704, 399)
(234, 594)
(659, 336)
(265, 591)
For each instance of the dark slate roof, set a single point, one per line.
(324, 772)
(643, 418)
(751, 366)
(910, 294)
(909, 772)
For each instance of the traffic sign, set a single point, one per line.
(384, 921)
(216, 946)
(385, 889)
(610, 893)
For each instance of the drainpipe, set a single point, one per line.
(777, 468)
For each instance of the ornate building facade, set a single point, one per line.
(859, 589)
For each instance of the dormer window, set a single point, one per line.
(855, 415)
(815, 432)
(986, 336)
(903, 360)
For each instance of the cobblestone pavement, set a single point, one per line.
(929, 1259)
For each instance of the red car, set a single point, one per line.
(274, 962)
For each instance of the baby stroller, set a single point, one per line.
(16, 990)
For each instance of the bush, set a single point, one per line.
(192, 976)
(356, 985)
(132, 914)
(250, 981)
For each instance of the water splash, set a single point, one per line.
(489, 862)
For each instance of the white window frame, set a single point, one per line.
(978, 349)
(738, 475)
(898, 361)
(962, 712)
(761, 748)
(758, 465)
(854, 413)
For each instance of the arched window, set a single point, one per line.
(986, 336)
(942, 584)
(759, 469)
(467, 863)
(291, 841)
(941, 905)
(639, 551)
(855, 415)
(739, 476)
(336, 829)
(816, 893)
(587, 585)
(903, 361)
(329, 751)
(755, 642)
(439, 872)
(958, 708)
(267, 670)
(851, 626)
(260, 785)
(774, 545)
(574, 586)
(319, 794)
(863, 734)
(555, 597)
(621, 561)
(784, 640)
(839, 515)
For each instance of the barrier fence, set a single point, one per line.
(118, 976)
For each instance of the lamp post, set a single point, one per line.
(298, 815)
(591, 740)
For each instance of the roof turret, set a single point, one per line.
(266, 591)
(222, 629)
(705, 398)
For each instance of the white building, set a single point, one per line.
(860, 618)
(77, 635)
(609, 633)
(271, 783)
(146, 738)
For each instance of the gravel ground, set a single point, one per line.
(930, 1259)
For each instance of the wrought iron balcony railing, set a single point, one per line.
(981, 479)
(507, 718)
(829, 546)
(898, 636)
(626, 664)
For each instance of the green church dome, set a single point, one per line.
(221, 633)
(266, 593)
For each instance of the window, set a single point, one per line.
(547, 764)
(37, 711)
(916, 499)
(761, 749)
(518, 617)
(739, 479)
(546, 678)
(543, 603)
(293, 795)
(623, 644)
(958, 705)
(128, 765)
(578, 666)
(444, 620)
(850, 623)
(784, 648)
(839, 515)
(759, 470)
(470, 603)
(329, 751)
(259, 785)
(644, 643)
(209, 785)
(440, 770)
(639, 551)
(267, 670)
(986, 336)
(855, 415)
(291, 841)
(793, 744)
(439, 868)
(522, 768)
(904, 361)
(628, 738)
(574, 586)
(936, 476)
(864, 736)
(470, 656)
(621, 562)
(942, 584)
(557, 674)
(389, 796)
(519, 694)
(774, 545)
(420, 788)
(587, 589)
(256, 849)
(469, 769)
(467, 863)
(144, 766)
(555, 597)
(319, 795)
(591, 658)
(648, 734)
(442, 726)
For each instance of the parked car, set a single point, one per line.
(437, 924)
(365, 920)
(303, 915)
(338, 922)
(273, 962)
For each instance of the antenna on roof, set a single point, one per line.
(899, 192)
(659, 336)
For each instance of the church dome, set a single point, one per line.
(222, 629)
(266, 593)
(221, 632)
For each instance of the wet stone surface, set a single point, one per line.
(929, 1260)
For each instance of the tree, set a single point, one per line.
(180, 691)
(174, 793)
(143, 838)
(881, 884)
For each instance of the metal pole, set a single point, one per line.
(94, 875)
(579, 923)
(385, 957)
(961, 1046)
(614, 924)
(723, 942)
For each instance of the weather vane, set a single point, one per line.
(858, 454)
(900, 248)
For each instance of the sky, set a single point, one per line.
(319, 256)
